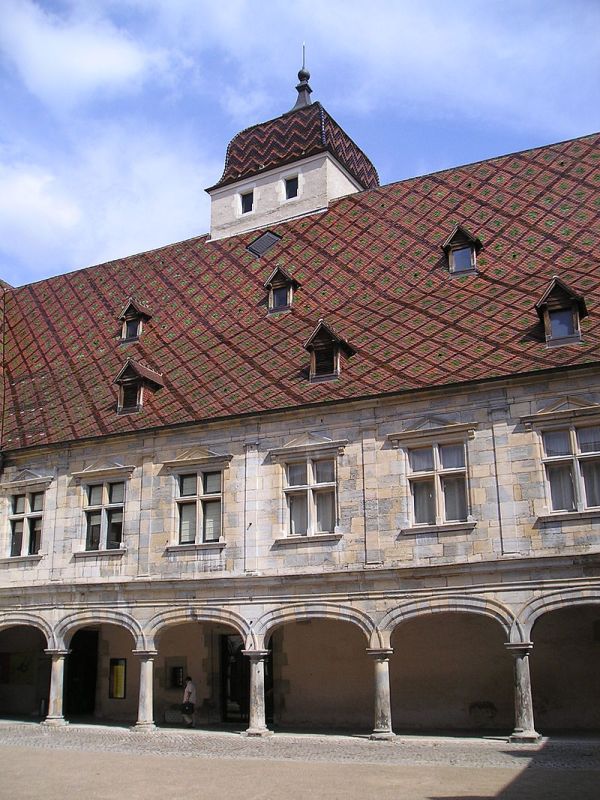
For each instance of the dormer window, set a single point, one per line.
(281, 287)
(132, 380)
(247, 201)
(560, 309)
(291, 187)
(131, 396)
(132, 319)
(461, 249)
(325, 348)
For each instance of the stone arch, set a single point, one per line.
(561, 598)
(266, 624)
(178, 616)
(33, 620)
(458, 604)
(81, 619)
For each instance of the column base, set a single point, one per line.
(54, 722)
(382, 736)
(524, 737)
(264, 732)
(143, 727)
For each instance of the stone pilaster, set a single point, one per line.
(145, 720)
(57, 679)
(257, 724)
(383, 701)
(524, 723)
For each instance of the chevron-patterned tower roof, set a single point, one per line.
(299, 133)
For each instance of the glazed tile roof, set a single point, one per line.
(371, 266)
(298, 134)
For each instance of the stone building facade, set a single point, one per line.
(345, 475)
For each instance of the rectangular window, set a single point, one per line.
(325, 361)
(310, 494)
(438, 483)
(279, 297)
(572, 465)
(247, 200)
(26, 523)
(117, 679)
(462, 259)
(130, 397)
(291, 187)
(199, 508)
(104, 515)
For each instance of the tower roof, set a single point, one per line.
(304, 131)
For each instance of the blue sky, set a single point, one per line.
(115, 114)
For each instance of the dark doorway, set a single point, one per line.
(235, 681)
(81, 674)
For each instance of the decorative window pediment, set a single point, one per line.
(325, 348)
(561, 411)
(132, 379)
(308, 444)
(99, 470)
(560, 309)
(430, 429)
(461, 249)
(198, 457)
(27, 479)
(281, 287)
(132, 317)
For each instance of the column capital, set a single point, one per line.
(519, 648)
(145, 653)
(379, 652)
(256, 655)
(57, 651)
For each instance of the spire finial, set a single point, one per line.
(303, 88)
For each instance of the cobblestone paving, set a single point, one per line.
(559, 753)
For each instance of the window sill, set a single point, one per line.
(117, 551)
(559, 342)
(449, 527)
(190, 548)
(566, 516)
(33, 559)
(314, 538)
(459, 273)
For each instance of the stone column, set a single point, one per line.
(383, 702)
(145, 720)
(524, 725)
(57, 679)
(257, 725)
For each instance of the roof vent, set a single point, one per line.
(265, 242)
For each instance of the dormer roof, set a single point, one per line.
(279, 277)
(560, 293)
(134, 308)
(461, 236)
(324, 335)
(135, 370)
(298, 134)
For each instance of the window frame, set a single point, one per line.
(105, 508)
(553, 307)
(139, 320)
(310, 490)
(286, 180)
(428, 432)
(452, 260)
(199, 500)
(574, 459)
(123, 388)
(243, 194)
(333, 350)
(313, 447)
(27, 518)
(436, 475)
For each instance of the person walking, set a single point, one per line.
(189, 702)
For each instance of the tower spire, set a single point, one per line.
(303, 89)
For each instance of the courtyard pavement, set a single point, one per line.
(109, 762)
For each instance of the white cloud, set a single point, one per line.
(63, 61)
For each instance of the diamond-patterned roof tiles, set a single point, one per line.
(372, 265)
(298, 134)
